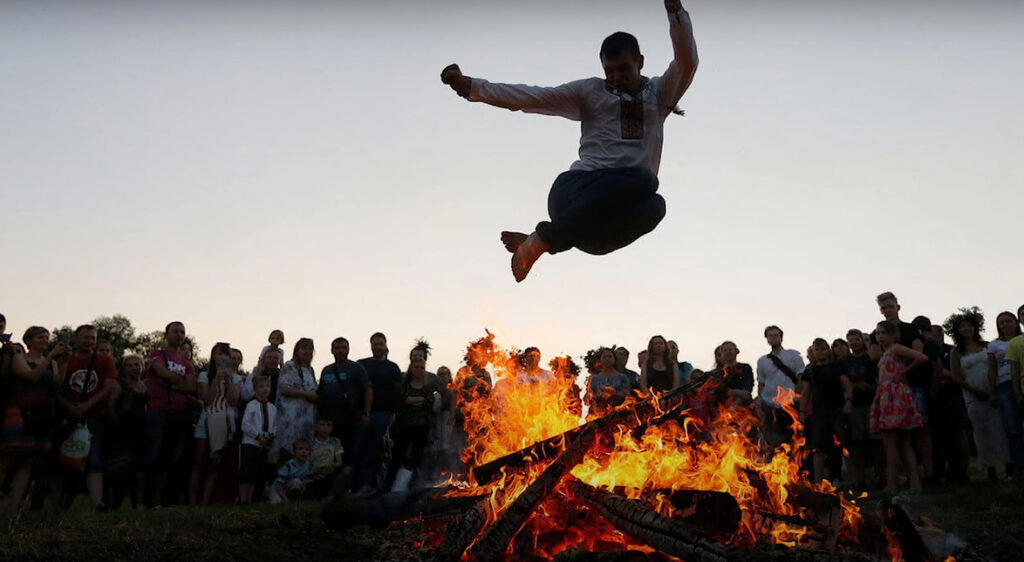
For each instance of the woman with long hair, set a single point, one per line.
(894, 410)
(1004, 396)
(660, 373)
(296, 398)
(29, 420)
(219, 388)
(411, 428)
(968, 362)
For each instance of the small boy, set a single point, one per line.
(828, 389)
(259, 423)
(294, 475)
(276, 338)
(327, 458)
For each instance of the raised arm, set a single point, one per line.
(561, 101)
(679, 75)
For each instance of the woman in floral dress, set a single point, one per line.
(296, 399)
(894, 411)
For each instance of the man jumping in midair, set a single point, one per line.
(608, 198)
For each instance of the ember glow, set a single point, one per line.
(710, 446)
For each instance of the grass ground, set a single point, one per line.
(989, 517)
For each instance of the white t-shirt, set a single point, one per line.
(220, 401)
(998, 348)
(773, 378)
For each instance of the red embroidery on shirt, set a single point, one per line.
(631, 118)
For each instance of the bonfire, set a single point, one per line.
(680, 475)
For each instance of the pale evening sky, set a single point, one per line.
(243, 166)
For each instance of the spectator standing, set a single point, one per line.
(259, 423)
(29, 419)
(1005, 395)
(89, 379)
(659, 373)
(1015, 360)
(828, 388)
(950, 423)
(128, 435)
(779, 369)
(412, 426)
(607, 387)
(894, 410)
(345, 398)
(970, 365)
(170, 381)
(296, 400)
(386, 379)
(739, 377)
(218, 390)
(862, 372)
(621, 365)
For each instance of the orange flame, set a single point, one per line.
(508, 406)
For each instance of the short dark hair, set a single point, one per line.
(838, 341)
(1019, 310)
(300, 441)
(4, 318)
(854, 332)
(169, 324)
(773, 327)
(886, 296)
(84, 328)
(378, 335)
(618, 43)
(922, 323)
(339, 339)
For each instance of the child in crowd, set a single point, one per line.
(327, 458)
(294, 475)
(258, 425)
(276, 338)
(828, 388)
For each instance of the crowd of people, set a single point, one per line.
(871, 405)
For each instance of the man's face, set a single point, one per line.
(86, 340)
(445, 375)
(3, 326)
(271, 360)
(339, 350)
(175, 335)
(890, 310)
(532, 359)
(379, 348)
(623, 72)
(822, 353)
(774, 338)
(856, 342)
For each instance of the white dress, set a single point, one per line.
(988, 427)
(295, 416)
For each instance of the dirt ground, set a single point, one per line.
(989, 517)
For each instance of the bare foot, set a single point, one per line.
(512, 240)
(526, 255)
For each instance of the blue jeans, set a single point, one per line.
(166, 433)
(368, 464)
(600, 211)
(97, 445)
(1010, 414)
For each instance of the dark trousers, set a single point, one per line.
(600, 211)
(407, 451)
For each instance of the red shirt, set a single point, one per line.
(85, 377)
(161, 397)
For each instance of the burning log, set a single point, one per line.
(494, 541)
(678, 538)
(458, 540)
(668, 535)
(378, 511)
(900, 528)
(632, 416)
